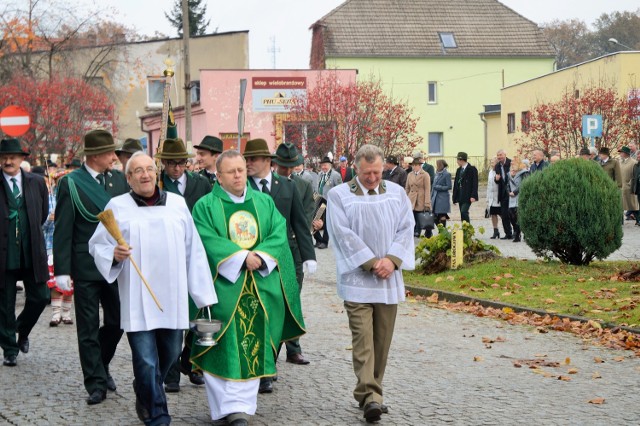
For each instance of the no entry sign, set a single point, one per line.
(14, 120)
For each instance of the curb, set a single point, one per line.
(456, 297)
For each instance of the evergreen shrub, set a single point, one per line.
(571, 210)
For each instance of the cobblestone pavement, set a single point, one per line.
(439, 372)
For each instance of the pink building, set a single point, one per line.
(265, 105)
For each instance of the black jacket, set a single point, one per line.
(465, 186)
(503, 187)
(34, 191)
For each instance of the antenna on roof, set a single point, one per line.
(274, 51)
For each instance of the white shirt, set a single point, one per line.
(93, 173)
(364, 228)
(259, 185)
(18, 179)
(170, 254)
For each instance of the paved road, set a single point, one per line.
(440, 372)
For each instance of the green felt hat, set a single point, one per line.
(173, 149)
(210, 143)
(287, 155)
(98, 142)
(12, 146)
(130, 146)
(257, 148)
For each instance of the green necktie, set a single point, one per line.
(371, 192)
(265, 186)
(100, 178)
(15, 189)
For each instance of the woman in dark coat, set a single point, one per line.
(440, 197)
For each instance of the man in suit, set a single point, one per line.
(346, 173)
(393, 172)
(24, 207)
(327, 180)
(206, 154)
(176, 179)
(288, 202)
(465, 188)
(307, 174)
(502, 179)
(286, 159)
(82, 194)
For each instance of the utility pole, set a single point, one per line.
(187, 73)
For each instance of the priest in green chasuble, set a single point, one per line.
(245, 238)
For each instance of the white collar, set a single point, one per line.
(235, 198)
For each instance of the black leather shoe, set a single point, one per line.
(297, 359)
(239, 422)
(507, 237)
(322, 246)
(266, 385)
(172, 387)
(111, 384)
(372, 412)
(384, 409)
(96, 397)
(517, 239)
(10, 361)
(23, 344)
(196, 377)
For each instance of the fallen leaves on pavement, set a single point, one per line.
(590, 331)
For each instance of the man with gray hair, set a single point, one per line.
(371, 222)
(163, 238)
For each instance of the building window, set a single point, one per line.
(576, 94)
(435, 143)
(155, 91)
(448, 40)
(511, 122)
(195, 91)
(433, 92)
(525, 121)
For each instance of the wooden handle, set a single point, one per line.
(155, 299)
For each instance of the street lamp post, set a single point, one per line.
(614, 41)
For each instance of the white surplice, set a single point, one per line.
(363, 227)
(168, 250)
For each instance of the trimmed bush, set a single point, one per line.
(571, 210)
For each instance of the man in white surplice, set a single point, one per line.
(170, 254)
(371, 223)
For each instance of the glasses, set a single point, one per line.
(139, 171)
(180, 163)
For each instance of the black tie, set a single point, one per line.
(265, 187)
(100, 178)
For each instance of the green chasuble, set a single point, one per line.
(257, 313)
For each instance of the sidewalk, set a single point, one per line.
(439, 372)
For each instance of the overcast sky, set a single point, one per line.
(283, 25)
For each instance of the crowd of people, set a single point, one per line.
(230, 243)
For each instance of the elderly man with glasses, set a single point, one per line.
(164, 241)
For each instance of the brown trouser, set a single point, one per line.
(371, 327)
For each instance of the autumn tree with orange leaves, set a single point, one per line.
(62, 110)
(340, 118)
(557, 126)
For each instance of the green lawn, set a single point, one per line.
(593, 291)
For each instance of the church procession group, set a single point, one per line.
(161, 249)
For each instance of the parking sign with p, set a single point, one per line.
(592, 126)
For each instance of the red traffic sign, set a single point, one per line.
(14, 120)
